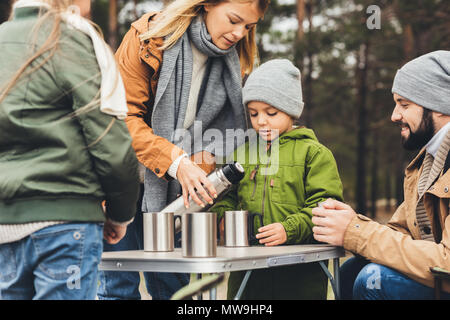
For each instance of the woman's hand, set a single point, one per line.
(194, 182)
(272, 234)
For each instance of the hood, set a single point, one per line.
(298, 133)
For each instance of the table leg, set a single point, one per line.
(243, 284)
(213, 294)
(200, 295)
(337, 279)
(333, 281)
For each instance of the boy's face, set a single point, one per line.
(268, 121)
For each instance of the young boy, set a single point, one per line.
(301, 175)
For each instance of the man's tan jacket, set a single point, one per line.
(398, 244)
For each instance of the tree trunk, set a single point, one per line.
(307, 83)
(5, 10)
(112, 28)
(388, 187)
(361, 78)
(300, 18)
(374, 174)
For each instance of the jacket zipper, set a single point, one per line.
(265, 182)
(253, 177)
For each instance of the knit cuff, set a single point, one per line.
(173, 169)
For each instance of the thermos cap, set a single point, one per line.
(234, 172)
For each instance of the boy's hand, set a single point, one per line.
(272, 234)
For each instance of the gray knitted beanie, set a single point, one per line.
(277, 83)
(426, 81)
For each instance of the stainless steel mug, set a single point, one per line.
(159, 231)
(199, 234)
(239, 227)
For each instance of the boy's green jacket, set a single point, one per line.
(284, 187)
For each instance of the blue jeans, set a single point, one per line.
(56, 263)
(115, 285)
(363, 280)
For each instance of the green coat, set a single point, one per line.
(57, 170)
(303, 174)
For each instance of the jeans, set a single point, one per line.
(116, 285)
(58, 262)
(363, 280)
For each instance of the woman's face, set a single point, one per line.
(228, 22)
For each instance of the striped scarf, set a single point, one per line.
(430, 172)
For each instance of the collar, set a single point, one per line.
(433, 145)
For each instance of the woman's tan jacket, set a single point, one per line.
(139, 63)
(398, 245)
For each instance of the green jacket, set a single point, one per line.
(307, 174)
(299, 176)
(48, 168)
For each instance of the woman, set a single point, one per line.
(63, 150)
(182, 70)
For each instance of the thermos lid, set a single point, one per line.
(234, 172)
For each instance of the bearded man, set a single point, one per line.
(393, 261)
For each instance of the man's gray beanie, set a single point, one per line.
(426, 81)
(277, 83)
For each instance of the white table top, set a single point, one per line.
(227, 259)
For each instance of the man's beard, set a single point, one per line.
(423, 134)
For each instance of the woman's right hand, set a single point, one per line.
(194, 182)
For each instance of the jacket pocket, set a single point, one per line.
(285, 186)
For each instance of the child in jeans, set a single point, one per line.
(296, 174)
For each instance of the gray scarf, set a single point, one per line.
(219, 105)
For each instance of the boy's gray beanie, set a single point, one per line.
(277, 83)
(426, 81)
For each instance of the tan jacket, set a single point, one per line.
(139, 63)
(398, 245)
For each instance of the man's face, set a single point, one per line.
(416, 123)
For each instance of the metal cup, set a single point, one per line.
(159, 231)
(239, 227)
(199, 234)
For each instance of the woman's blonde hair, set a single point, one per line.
(176, 18)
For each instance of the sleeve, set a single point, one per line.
(153, 151)
(384, 245)
(108, 141)
(321, 181)
(398, 220)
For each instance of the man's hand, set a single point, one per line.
(272, 234)
(113, 233)
(331, 219)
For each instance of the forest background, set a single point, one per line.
(348, 52)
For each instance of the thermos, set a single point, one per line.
(222, 179)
